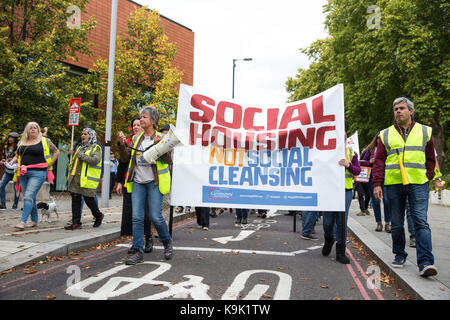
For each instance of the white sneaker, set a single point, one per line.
(205, 228)
(428, 270)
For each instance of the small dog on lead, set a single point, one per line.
(47, 208)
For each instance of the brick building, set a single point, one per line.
(181, 36)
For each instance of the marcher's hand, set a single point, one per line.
(70, 152)
(439, 185)
(378, 193)
(119, 189)
(121, 138)
(157, 139)
(372, 160)
(344, 162)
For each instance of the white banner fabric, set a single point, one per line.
(283, 157)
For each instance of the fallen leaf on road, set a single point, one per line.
(336, 298)
(304, 279)
(324, 286)
(266, 296)
(50, 297)
(30, 271)
(21, 246)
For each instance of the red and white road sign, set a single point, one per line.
(74, 111)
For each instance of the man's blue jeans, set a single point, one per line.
(333, 219)
(31, 182)
(7, 177)
(309, 219)
(417, 195)
(142, 194)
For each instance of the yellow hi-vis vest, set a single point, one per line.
(412, 151)
(348, 175)
(161, 167)
(90, 174)
(47, 156)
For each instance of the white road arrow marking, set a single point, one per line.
(241, 236)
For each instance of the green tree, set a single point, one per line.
(143, 71)
(34, 83)
(407, 55)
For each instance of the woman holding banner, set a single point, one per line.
(147, 184)
(339, 218)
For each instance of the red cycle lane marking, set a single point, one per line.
(374, 289)
(358, 283)
(34, 275)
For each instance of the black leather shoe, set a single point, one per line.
(98, 221)
(72, 226)
(132, 250)
(148, 244)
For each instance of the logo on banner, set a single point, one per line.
(74, 111)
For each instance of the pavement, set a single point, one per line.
(18, 248)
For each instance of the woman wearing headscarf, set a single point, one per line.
(84, 174)
(35, 157)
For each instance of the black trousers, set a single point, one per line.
(76, 207)
(202, 214)
(363, 195)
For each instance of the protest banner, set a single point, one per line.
(353, 142)
(277, 157)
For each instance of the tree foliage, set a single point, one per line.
(34, 83)
(143, 71)
(408, 55)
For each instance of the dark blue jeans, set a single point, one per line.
(309, 219)
(334, 218)
(7, 177)
(377, 206)
(417, 195)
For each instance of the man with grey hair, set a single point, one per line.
(407, 145)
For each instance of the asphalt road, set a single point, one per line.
(264, 261)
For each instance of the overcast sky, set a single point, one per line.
(270, 32)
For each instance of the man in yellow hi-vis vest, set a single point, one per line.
(147, 183)
(405, 159)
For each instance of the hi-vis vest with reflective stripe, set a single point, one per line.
(90, 174)
(47, 156)
(348, 175)
(161, 167)
(412, 153)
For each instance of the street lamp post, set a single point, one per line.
(234, 66)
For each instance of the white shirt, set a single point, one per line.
(143, 171)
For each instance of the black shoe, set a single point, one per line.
(136, 258)
(14, 207)
(398, 262)
(98, 221)
(308, 237)
(340, 254)
(327, 246)
(73, 226)
(237, 222)
(168, 249)
(2, 207)
(132, 250)
(244, 221)
(148, 244)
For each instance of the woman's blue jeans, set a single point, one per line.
(417, 195)
(31, 182)
(333, 219)
(7, 177)
(142, 194)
